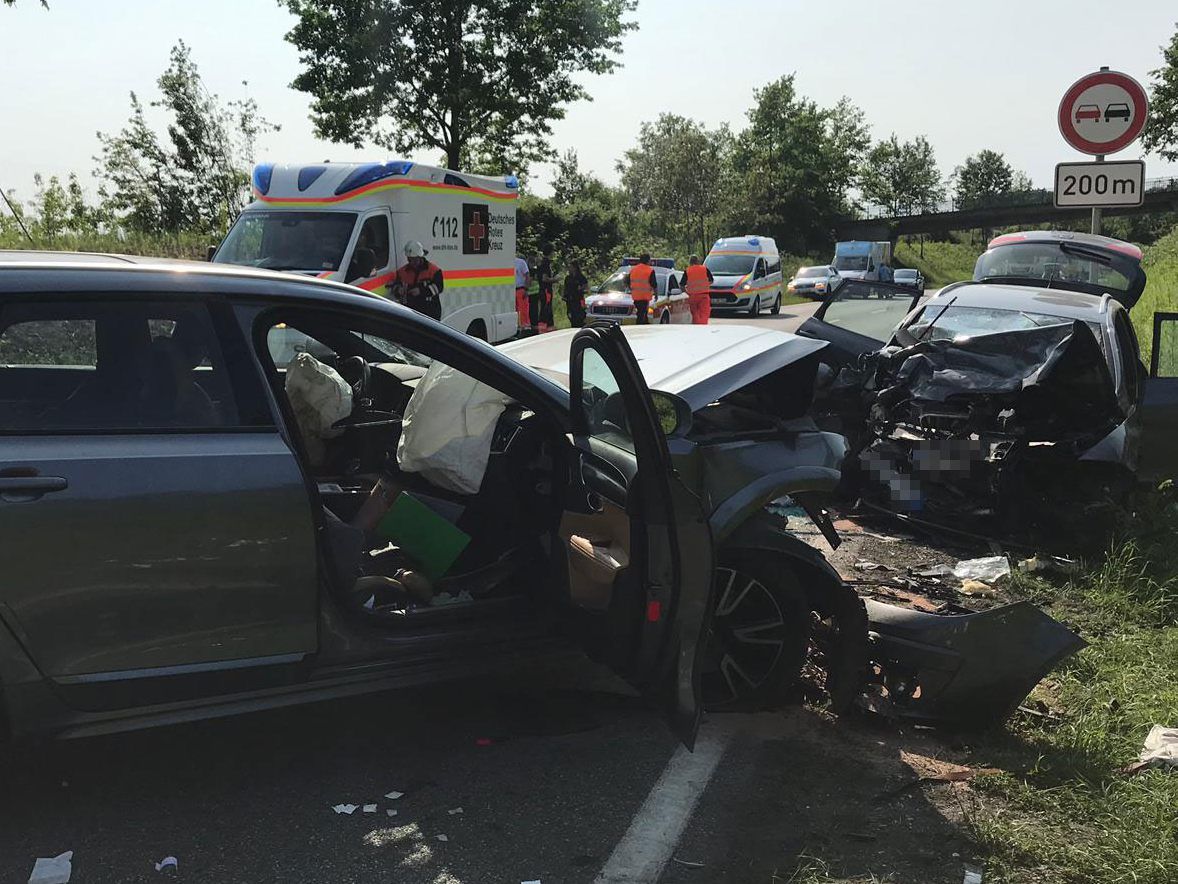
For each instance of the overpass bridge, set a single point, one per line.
(1021, 208)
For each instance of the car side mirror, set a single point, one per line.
(209, 252)
(673, 413)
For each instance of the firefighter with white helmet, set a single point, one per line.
(418, 282)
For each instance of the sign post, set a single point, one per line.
(1101, 113)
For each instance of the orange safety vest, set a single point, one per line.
(697, 280)
(640, 287)
(408, 277)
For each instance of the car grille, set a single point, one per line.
(609, 310)
(723, 297)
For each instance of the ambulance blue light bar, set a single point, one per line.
(511, 182)
(308, 175)
(263, 172)
(371, 172)
(668, 263)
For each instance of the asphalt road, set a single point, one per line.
(790, 317)
(551, 770)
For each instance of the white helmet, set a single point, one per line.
(414, 249)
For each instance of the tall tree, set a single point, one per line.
(794, 165)
(199, 176)
(984, 176)
(676, 175)
(570, 185)
(1161, 130)
(480, 80)
(902, 176)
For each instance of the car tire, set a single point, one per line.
(755, 306)
(775, 310)
(836, 664)
(745, 670)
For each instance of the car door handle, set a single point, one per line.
(21, 488)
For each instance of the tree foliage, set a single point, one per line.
(198, 178)
(793, 166)
(675, 177)
(984, 176)
(480, 80)
(1161, 130)
(902, 176)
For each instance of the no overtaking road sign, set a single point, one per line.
(1103, 112)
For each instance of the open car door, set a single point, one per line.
(1157, 455)
(638, 545)
(859, 317)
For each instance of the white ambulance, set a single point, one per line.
(746, 272)
(350, 222)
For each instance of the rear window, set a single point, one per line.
(1061, 265)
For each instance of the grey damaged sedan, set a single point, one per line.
(181, 538)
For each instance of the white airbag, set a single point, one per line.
(447, 429)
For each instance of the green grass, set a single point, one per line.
(182, 245)
(1064, 812)
(943, 262)
(1161, 295)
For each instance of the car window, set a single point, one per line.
(602, 400)
(374, 236)
(1130, 356)
(285, 342)
(775, 265)
(130, 367)
(759, 271)
(939, 323)
(869, 309)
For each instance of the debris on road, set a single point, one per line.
(168, 863)
(391, 812)
(1160, 750)
(687, 864)
(52, 870)
(345, 808)
(442, 837)
(871, 566)
(1038, 564)
(972, 876)
(990, 569)
(393, 796)
(976, 587)
(370, 808)
(454, 811)
(935, 770)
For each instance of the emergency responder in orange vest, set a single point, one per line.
(642, 285)
(418, 283)
(698, 283)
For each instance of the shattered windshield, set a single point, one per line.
(1059, 264)
(949, 323)
(288, 240)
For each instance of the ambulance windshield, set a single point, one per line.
(729, 264)
(288, 240)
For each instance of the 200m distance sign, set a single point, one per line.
(1103, 112)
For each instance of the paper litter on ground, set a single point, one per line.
(1161, 747)
(391, 812)
(52, 869)
(370, 808)
(168, 862)
(454, 811)
(393, 795)
(345, 808)
(442, 838)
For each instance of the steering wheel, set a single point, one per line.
(358, 373)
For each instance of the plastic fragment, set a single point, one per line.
(988, 569)
(442, 837)
(345, 808)
(393, 796)
(454, 811)
(53, 869)
(168, 862)
(972, 876)
(390, 812)
(1161, 747)
(687, 863)
(370, 808)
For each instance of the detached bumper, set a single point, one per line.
(967, 671)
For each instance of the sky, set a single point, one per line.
(966, 75)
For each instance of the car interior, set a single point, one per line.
(436, 551)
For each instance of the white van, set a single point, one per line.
(747, 274)
(350, 222)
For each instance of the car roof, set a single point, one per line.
(1053, 302)
(699, 363)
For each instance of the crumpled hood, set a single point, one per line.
(698, 363)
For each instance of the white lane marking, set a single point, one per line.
(646, 847)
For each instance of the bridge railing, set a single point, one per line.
(1013, 199)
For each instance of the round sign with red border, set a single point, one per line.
(1103, 112)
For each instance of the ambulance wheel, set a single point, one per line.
(477, 329)
(755, 307)
(665, 319)
(776, 308)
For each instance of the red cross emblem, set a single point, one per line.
(476, 231)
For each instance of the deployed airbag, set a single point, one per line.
(319, 398)
(447, 429)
